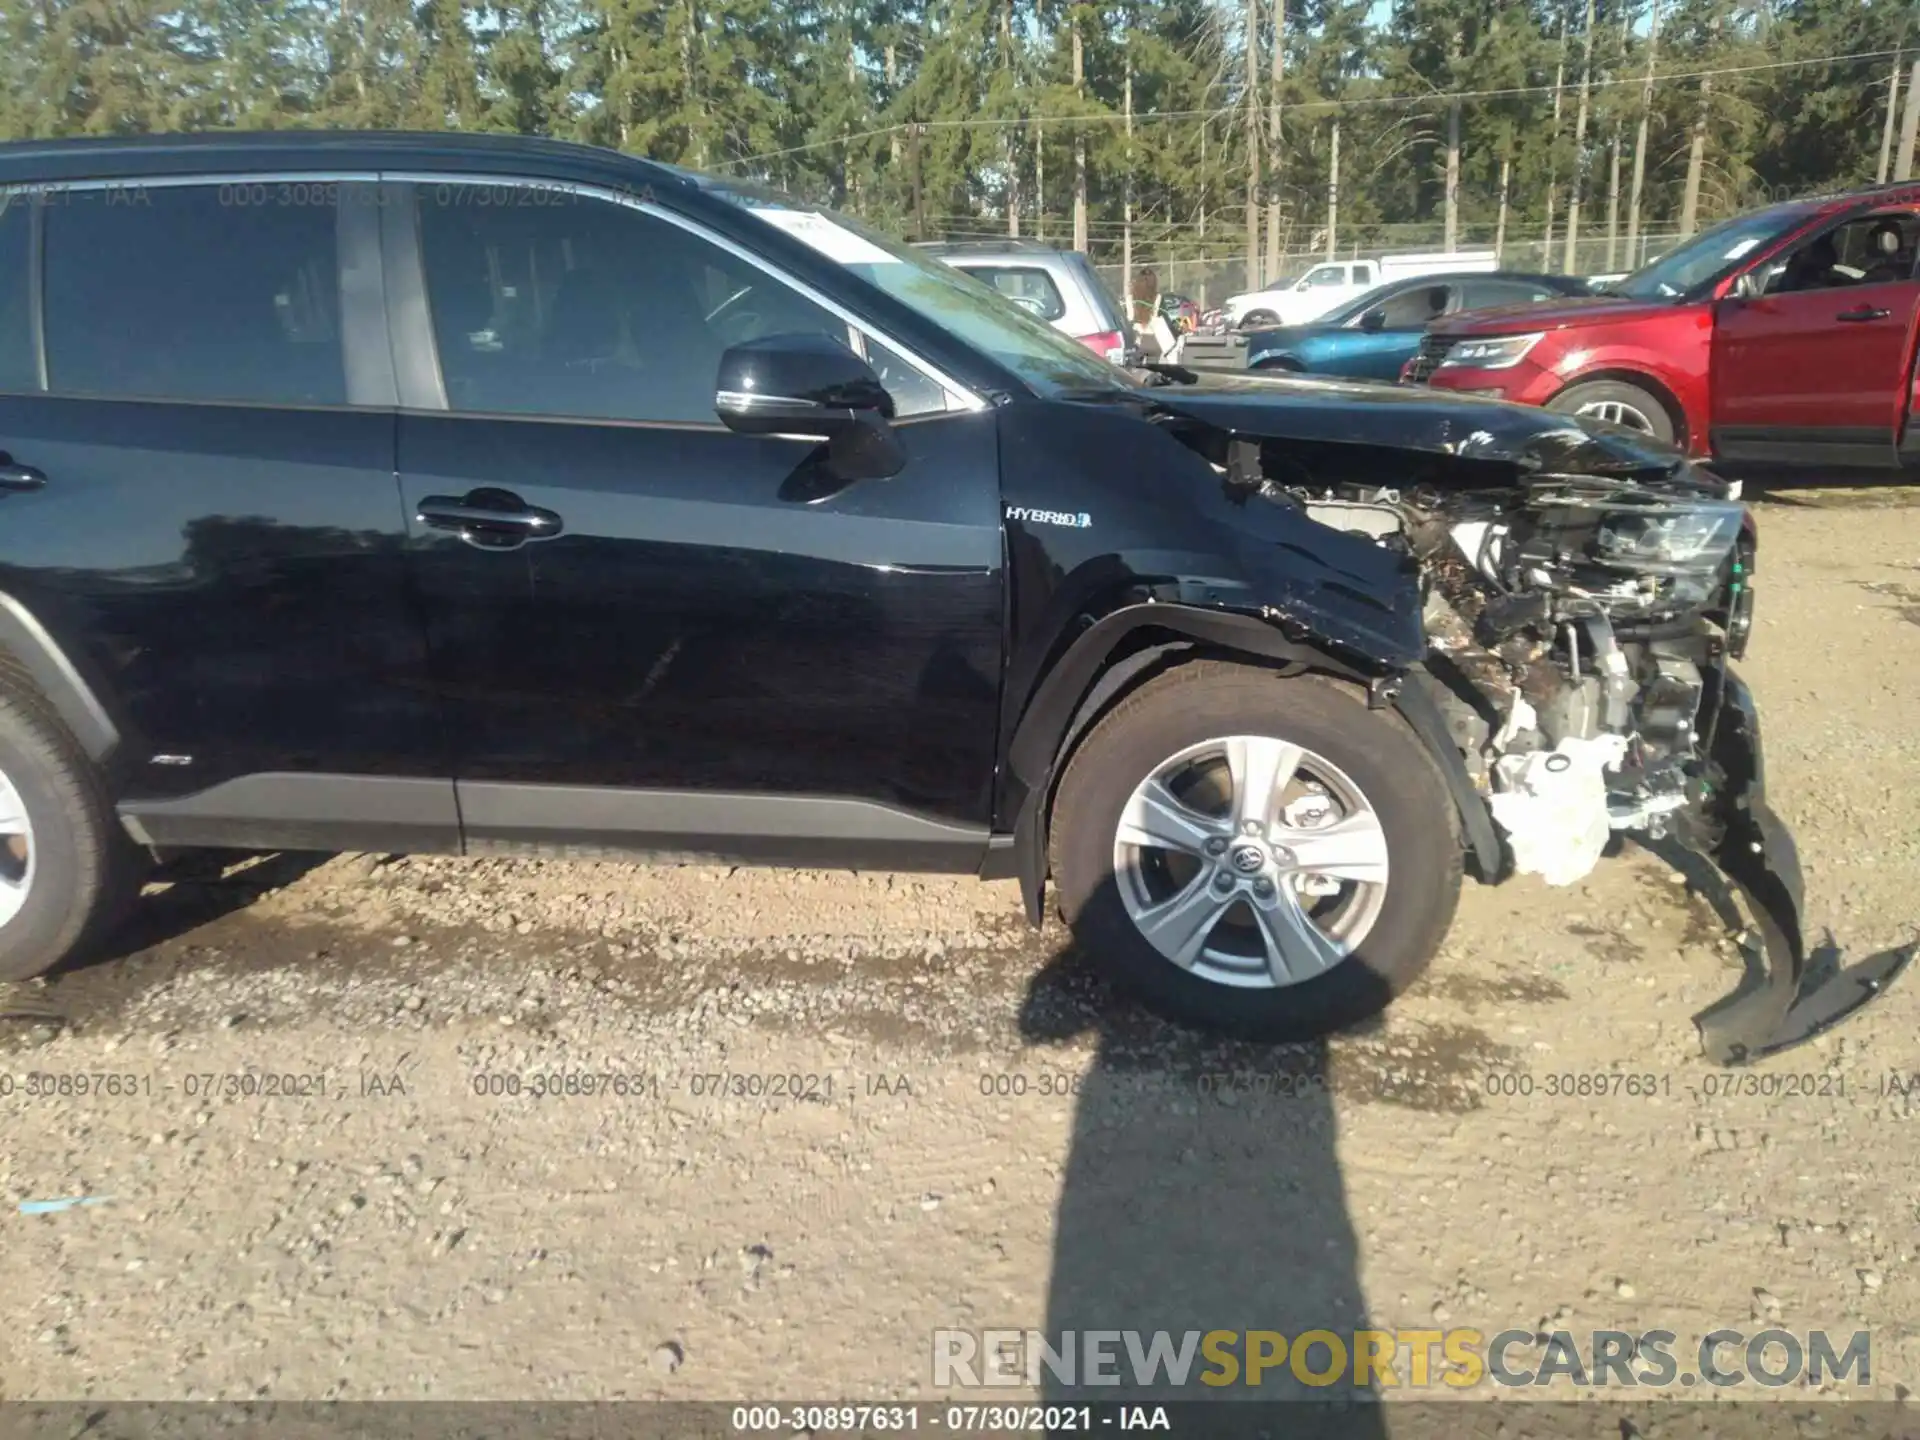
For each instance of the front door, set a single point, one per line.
(649, 631)
(1812, 374)
(216, 524)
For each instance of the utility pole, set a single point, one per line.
(1559, 83)
(1578, 183)
(1697, 145)
(1886, 131)
(1452, 176)
(1253, 144)
(1275, 171)
(1909, 126)
(1040, 138)
(1613, 199)
(1500, 225)
(1333, 191)
(914, 132)
(1079, 143)
(1204, 267)
(1126, 201)
(893, 88)
(1640, 143)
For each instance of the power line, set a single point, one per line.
(1436, 97)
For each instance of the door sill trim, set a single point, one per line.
(284, 810)
(807, 831)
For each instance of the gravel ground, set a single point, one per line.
(851, 1109)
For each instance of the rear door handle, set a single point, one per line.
(20, 477)
(488, 519)
(1865, 312)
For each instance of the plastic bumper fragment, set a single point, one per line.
(1785, 1005)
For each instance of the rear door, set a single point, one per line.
(674, 637)
(218, 535)
(1816, 377)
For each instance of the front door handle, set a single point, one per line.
(19, 477)
(1864, 312)
(488, 519)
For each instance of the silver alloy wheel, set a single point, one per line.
(1251, 862)
(16, 851)
(1618, 412)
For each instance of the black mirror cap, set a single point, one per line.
(796, 385)
(1374, 319)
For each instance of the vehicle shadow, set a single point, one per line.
(191, 890)
(1202, 1192)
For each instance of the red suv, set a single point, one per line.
(1779, 341)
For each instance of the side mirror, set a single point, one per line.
(811, 387)
(1748, 286)
(1374, 319)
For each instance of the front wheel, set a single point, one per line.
(1259, 320)
(1257, 855)
(1618, 403)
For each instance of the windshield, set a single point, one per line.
(1710, 254)
(1046, 359)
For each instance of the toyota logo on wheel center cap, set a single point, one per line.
(1247, 859)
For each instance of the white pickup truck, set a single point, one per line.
(1338, 281)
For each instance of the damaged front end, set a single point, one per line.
(1584, 596)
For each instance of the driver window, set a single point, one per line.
(1325, 275)
(592, 309)
(1413, 309)
(1867, 250)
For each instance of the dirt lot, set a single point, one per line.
(984, 1137)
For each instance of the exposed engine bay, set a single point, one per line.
(1574, 622)
(1582, 599)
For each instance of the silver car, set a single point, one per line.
(1059, 286)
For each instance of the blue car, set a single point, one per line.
(1372, 337)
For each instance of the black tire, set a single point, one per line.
(1259, 319)
(1632, 398)
(85, 869)
(1210, 699)
(1284, 363)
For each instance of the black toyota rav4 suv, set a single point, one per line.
(459, 493)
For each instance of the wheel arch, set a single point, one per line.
(1641, 379)
(1108, 661)
(33, 650)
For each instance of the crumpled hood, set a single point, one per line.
(1298, 407)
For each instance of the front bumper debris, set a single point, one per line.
(1785, 1003)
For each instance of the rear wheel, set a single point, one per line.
(67, 869)
(1618, 403)
(1258, 855)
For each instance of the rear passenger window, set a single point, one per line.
(17, 368)
(194, 293)
(1025, 283)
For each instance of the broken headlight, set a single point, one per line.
(1692, 539)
